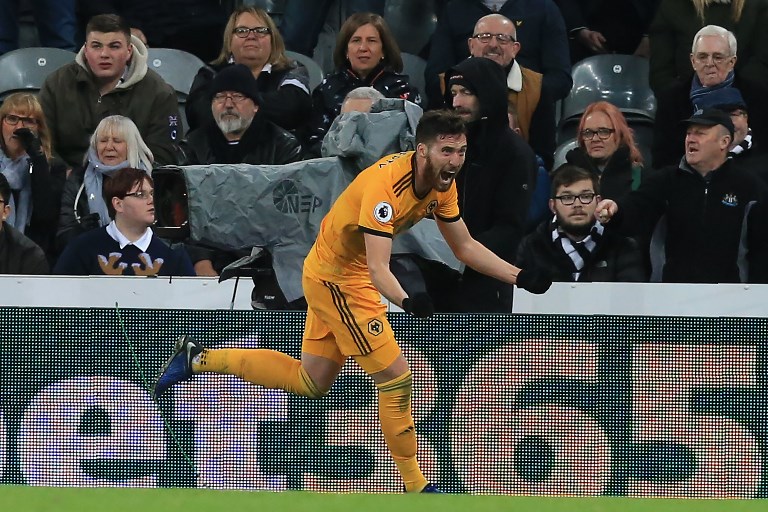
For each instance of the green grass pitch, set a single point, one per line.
(60, 499)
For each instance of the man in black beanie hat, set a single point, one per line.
(238, 134)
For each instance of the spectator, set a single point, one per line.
(706, 201)
(495, 37)
(251, 38)
(116, 144)
(238, 131)
(713, 57)
(18, 254)
(36, 179)
(608, 26)
(194, 26)
(607, 147)
(540, 30)
(574, 247)
(676, 23)
(126, 246)
(366, 54)
(493, 190)
(55, 20)
(360, 100)
(744, 152)
(110, 76)
(240, 134)
(303, 20)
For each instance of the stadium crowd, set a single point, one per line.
(687, 204)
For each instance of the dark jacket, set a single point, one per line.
(619, 177)
(75, 216)
(283, 99)
(329, 95)
(615, 259)
(262, 143)
(494, 185)
(673, 105)
(704, 221)
(499, 169)
(19, 254)
(48, 178)
(540, 30)
(74, 107)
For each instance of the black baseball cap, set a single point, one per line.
(711, 117)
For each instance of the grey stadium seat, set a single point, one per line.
(619, 79)
(315, 72)
(25, 69)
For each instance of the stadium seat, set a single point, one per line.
(413, 66)
(562, 150)
(315, 72)
(25, 69)
(178, 68)
(619, 79)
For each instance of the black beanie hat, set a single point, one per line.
(458, 79)
(236, 78)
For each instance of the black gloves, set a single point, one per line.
(533, 281)
(89, 222)
(30, 141)
(420, 305)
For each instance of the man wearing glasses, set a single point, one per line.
(713, 59)
(540, 30)
(573, 246)
(495, 38)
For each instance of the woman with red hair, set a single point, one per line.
(607, 147)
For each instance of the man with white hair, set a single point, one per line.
(713, 58)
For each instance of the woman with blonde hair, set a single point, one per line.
(35, 177)
(115, 144)
(607, 148)
(252, 38)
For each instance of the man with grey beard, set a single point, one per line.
(239, 133)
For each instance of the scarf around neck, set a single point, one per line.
(578, 252)
(94, 180)
(698, 91)
(19, 178)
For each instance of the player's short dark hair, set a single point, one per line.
(120, 184)
(108, 23)
(568, 174)
(439, 122)
(5, 189)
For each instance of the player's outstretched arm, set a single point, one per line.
(378, 251)
(475, 255)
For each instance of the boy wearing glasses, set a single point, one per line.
(573, 246)
(127, 245)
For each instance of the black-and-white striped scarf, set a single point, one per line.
(578, 252)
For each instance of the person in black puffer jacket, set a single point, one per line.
(366, 55)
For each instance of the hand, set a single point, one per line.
(593, 40)
(420, 305)
(533, 281)
(89, 222)
(30, 141)
(605, 210)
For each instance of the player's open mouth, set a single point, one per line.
(447, 175)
